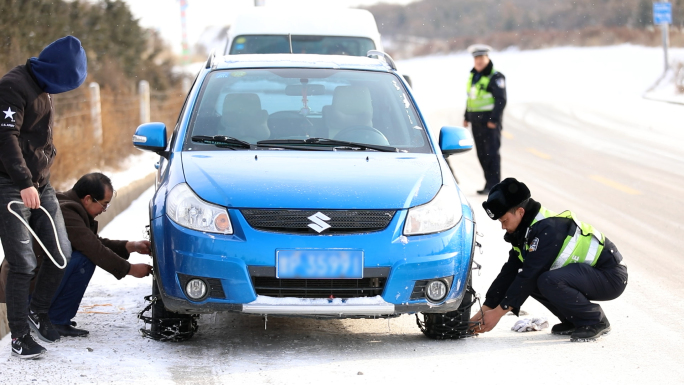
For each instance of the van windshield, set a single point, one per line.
(253, 105)
(321, 45)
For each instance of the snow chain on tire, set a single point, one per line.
(175, 329)
(451, 325)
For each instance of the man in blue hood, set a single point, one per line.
(26, 154)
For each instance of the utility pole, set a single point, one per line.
(184, 38)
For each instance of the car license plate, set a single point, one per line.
(319, 264)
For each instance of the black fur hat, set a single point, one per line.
(504, 196)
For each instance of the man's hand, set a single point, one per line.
(491, 125)
(490, 319)
(478, 318)
(465, 123)
(139, 270)
(30, 197)
(142, 247)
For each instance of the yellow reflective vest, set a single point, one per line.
(584, 246)
(479, 99)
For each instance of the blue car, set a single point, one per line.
(307, 185)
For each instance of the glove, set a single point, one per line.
(539, 323)
(522, 325)
(529, 325)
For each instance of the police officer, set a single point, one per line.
(484, 110)
(556, 259)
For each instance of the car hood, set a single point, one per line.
(312, 179)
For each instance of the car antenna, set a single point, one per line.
(289, 37)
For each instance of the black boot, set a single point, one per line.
(563, 329)
(70, 331)
(590, 332)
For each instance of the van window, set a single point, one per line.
(322, 45)
(298, 103)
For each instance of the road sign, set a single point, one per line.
(662, 13)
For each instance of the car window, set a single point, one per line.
(285, 103)
(322, 45)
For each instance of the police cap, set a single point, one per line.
(504, 196)
(479, 49)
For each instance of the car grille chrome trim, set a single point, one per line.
(298, 221)
(319, 288)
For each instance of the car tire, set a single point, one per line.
(451, 325)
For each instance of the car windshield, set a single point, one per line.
(295, 105)
(322, 45)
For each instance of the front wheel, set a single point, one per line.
(451, 325)
(165, 325)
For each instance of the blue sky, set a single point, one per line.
(164, 15)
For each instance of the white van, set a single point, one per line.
(328, 31)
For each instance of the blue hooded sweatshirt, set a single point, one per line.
(61, 66)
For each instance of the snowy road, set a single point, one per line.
(611, 157)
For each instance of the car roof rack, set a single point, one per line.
(210, 60)
(383, 55)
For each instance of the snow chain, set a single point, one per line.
(179, 328)
(451, 325)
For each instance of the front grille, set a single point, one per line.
(319, 288)
(297, 221)
(265, 283)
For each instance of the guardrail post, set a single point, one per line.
(96, 118)
(144, 92)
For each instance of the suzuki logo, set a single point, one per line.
(318, 222)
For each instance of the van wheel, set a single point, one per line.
(165, 325)
(451, 325)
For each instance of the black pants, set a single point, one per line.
(17, 244)
(567, 292)
(487, 143)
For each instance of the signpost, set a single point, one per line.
(662, 15)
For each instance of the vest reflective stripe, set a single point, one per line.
(479, 99)
(584, 246)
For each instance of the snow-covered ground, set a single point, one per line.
(598, 83)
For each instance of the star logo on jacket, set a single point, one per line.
(534, 244)
(9, 114)
(501, 82)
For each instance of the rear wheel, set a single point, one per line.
(451, 325)
(165, 325)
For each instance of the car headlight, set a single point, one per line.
(188, 210)
(441, 213)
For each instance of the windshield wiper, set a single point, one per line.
(331, 142)
(221, 140)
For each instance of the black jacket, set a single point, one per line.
(517, 280)
(26, 121)
(81, 228)
(497, 87)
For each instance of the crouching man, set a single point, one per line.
(89, 198)
(561, 262)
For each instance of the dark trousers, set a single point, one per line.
(487, 144)
(567, 292)
(18, 248)
(70, 292)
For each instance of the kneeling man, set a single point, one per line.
(561, 262)
(89, 198)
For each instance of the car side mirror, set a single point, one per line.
(453, 140)
(151, 137)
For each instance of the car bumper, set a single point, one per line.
(228, 259)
